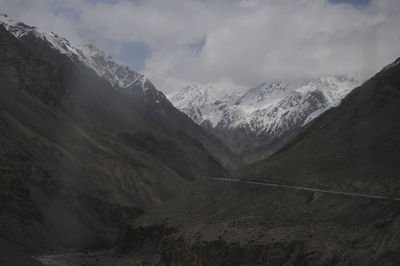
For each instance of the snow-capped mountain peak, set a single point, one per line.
(265, 112)
(265, 94)
(119, 76)
(333, 88)
(18, 29)
(201, 102)
(194, 96)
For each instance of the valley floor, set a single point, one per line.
(219, 222)
(82, 258)
(263, 183)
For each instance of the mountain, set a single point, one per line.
(194, 100)
(121, 78)
(97, 167)
(86, 143)
(329, 197)
(264, 118)
(353, 147)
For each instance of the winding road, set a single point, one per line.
(261, 183)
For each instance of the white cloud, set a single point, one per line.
(245, 42)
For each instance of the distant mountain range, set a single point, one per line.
(328, 197)
(257, 122)
(355, 147)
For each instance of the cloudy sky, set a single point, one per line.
(234, 43)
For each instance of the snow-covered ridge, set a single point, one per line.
(20, 29)
(264, 95)
(119, 76)
(204, 103)
(196, 95)
(270, 109)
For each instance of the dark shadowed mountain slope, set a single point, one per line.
(60, 52)
(77, 156)
(355, 146)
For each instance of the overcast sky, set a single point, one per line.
(236, 43)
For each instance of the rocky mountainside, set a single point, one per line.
(85, 143)
(55, 48)
(354, 147)
(95, 160)
(196, 101)
(258, 122)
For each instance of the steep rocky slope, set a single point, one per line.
(57, 50)
(354, 146)
(78, 156)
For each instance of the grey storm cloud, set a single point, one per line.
(235, 42)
